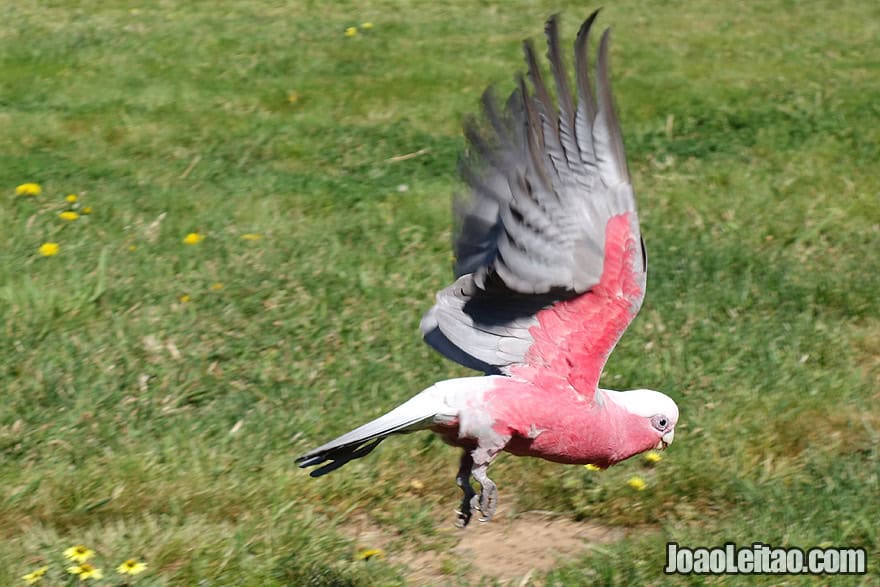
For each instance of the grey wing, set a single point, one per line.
(544, 181)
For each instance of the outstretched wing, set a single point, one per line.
(550, 264)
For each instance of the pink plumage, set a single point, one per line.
(550, 271)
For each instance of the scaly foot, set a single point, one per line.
(469, 501)
(488, 494)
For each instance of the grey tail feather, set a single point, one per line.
(352, 446)
(338, 457)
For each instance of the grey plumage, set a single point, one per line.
(544, 181)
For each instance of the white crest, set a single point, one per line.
(644, 402)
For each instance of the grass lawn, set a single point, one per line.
(155, 393)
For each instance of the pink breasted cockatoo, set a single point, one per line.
(550, 270)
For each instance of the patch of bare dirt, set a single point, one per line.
(509, 550)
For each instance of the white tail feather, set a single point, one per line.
(439, 404)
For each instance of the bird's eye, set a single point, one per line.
(660, 422)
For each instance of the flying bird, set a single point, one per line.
(550, 270)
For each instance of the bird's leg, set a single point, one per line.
(488, 500)
(463, 479)
(475, 462)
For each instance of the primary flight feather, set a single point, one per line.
(550, 270)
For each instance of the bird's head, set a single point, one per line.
(653, 418)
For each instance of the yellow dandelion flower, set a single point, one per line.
(71, 198)
(366, 25)
(217, 286)
(351, 31)
(49, 250)
(87, 210)
(193, 238)
(653, 457)
(85, 571)
(131, 567)
(592, 467)
(132, 248)
(368, 553)
(293, 96)
(28, 189)
(79, 553)
(68, 215)
(185, 299)
(252, 236)
(35, 576)
(637, 483)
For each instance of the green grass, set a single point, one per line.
(144, 426)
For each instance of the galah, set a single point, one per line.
(550, 270)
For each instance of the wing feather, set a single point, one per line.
(563, 92)
(606, 129)
(547, 272)
(586, 108)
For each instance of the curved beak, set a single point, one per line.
(666, 440)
